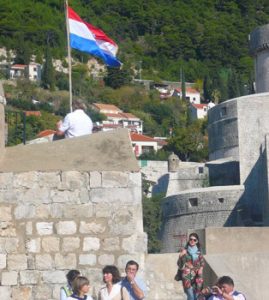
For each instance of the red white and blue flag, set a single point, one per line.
(87, 38)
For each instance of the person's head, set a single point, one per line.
(226, 284)
(78, 104)
(194, 240)
(131, 267)
(111, 274)
(81, 285)
(71, 275)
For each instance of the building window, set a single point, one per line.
(221, 200)
(205, 109)
(193, 202)
(35, 69)
(193, 98)
(223, 111)
(147, 149)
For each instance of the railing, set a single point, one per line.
(16, 127)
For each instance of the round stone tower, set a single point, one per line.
(259, 48)
(173, 163)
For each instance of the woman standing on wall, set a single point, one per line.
(113, 289)
(191, 263)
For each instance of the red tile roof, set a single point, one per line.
(135, 137)
(19, 66)
(188, 90)
(129, 116)
(32, 113)
(199, 106)
(102, 106)
(46, 133)
(113, 115)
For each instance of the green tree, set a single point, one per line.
(117, 77)
(48, 75)
(189, 143)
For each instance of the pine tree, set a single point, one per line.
(48, 76)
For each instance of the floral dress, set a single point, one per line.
(192, 271)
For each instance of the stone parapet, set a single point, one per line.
(52, 222)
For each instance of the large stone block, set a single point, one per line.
(34, 195)
(42, 211)
(9, 278)
(116, 195)
(50, 244)
(66, 227)
(106, 259)
(111, 179)
(135, 243)
(8, 245)
(6, 180)
(33, 245)
(75, 180)
(5, 292)
(24, 211)
(87, 259)
(44, 262)
(111, 244)
(42, 292)
(29, 277)
(135, 179)
(5, 213)
(57, 210)
(26, 180)
(122, 222)
(44, 228)
(17, 262)
(95, 180)
(67, 261)
(92, 227)
(21, 293)
(49, 179)
(91, 244)
(78, 211)
(7, 229)
(71, 197)
(3, 261)
(70, 244)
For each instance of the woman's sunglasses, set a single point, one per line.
(192, 239)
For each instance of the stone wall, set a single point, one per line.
(195, 209)
(55, 221)
(223, 131)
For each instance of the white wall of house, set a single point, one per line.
(143, 147)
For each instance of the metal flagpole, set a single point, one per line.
(69, 55)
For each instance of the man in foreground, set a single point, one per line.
(134, 285)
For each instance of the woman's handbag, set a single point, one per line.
(178, 276)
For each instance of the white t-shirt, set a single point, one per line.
(76, 123)
(236, 296)
(87, 298)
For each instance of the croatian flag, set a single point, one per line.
(87, 38)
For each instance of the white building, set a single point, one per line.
(143, 144)
(198, 111)
(31, 71)
(116, 118)
(192, 94)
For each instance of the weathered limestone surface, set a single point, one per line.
(61, 220)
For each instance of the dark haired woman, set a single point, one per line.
(191, 263)
(67, 290)
(113, 289)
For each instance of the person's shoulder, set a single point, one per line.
(89, 298)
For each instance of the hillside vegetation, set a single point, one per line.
(209, 38)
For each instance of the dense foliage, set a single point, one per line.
(208, 38)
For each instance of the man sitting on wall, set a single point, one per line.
(76, 123)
